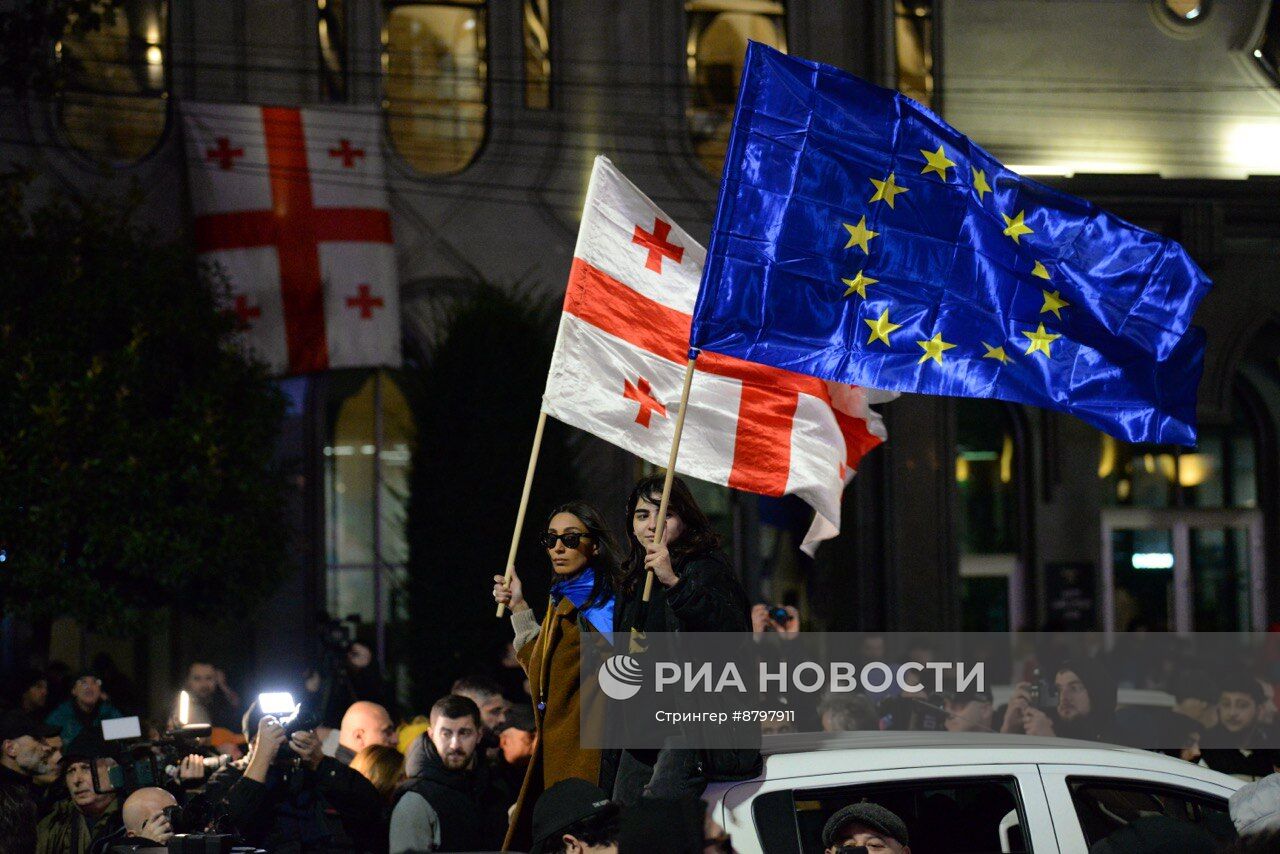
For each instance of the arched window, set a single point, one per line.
(114, 104)
(366, 487)
(717, 43)
(436, 82)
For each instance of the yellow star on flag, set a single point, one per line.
(936, 161)
(886, 190)
(980, 182)
(1040, 340)
(858, 284)
(1039, 270)
(860, 235)
(1015, 227)
(995, 353)
(934, 348)
(1054, 303)
(881, 327)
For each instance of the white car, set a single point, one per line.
(965, 793)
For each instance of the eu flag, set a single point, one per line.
(861, 239)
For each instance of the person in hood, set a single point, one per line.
(453, 804)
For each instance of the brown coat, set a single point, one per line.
(552, 663)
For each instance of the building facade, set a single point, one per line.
(975, 514)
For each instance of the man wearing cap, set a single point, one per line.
(23, 752)
(969, 711)
(87, 708)
(515, 748)
(75, 823)
(575, 817)
(869, 825)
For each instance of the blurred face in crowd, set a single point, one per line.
(35, 696)
(644, 522)
(27, 754)
(455, 740)
(968, 715)
(1073, 696)
(364, 724)
(873, 840)
(873, 648)
(564, 560)
(80, 786)
(493, 708)
(516, 745)
(202, 681)
(87, 691)
(1237, 711)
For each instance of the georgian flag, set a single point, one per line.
(292, 206)
(620, 359)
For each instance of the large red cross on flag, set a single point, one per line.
(292, 205)
(621, 353)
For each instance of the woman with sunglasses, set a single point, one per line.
(694, 590)
(582, 601)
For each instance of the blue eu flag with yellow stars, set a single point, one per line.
(861, 239)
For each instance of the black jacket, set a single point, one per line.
(707, 598)
(332, 809)
(469, 803)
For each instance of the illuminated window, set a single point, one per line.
(913, 47)
(366, 489)
(537, 54)
(436, 83)
(114, 105)
(718, 34)
(331, 35)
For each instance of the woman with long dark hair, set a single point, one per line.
(694, 590)
(582, 601)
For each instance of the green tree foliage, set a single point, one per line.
(476, 404)
(135, 441)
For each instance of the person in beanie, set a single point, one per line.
(575, 817)
(86, 708)
(869, 825)
(87, 815)
(453, 804)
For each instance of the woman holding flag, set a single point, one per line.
(582, 601)
(695, 591)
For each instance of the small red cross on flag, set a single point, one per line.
(640, 394)
(308, 253)
(224, 153)
(657, 244)
(347, 153)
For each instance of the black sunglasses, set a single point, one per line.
(571, 539)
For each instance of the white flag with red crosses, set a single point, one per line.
(620, 359)
(292, 205)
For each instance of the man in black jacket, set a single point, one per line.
(307, 805)
(454, 804)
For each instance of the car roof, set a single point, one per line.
(814, 754)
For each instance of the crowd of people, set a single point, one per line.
(500, 764)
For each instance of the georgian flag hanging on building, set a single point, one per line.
(620, 358)
(292, 205)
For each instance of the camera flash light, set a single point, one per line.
(277, 703)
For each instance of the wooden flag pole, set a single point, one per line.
(671, 469)
(524, 504)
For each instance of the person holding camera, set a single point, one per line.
(290, 797)
(148, 814)
(1085, 706)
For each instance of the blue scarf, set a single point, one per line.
(578, 589)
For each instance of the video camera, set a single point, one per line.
(149, 762)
